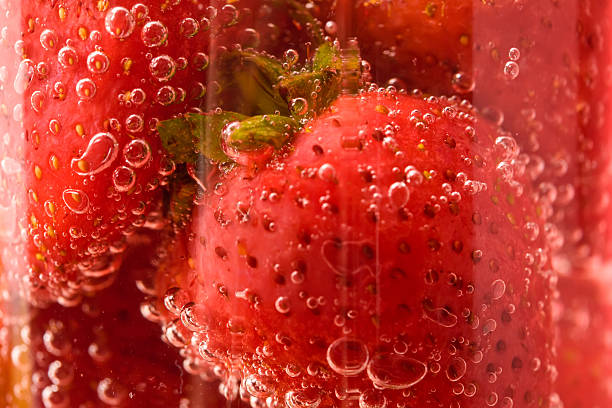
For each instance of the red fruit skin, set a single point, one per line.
(557, 106)
(314, 248)
(584, 352)
(105, 340)
(135, 74)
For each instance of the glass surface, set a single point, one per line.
(304, 204)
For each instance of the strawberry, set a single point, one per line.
(391, 255)
(95, 79)
(556, 101)
(98, 354)
(584, 350)
(553, 99)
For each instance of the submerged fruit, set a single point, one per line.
(390, 255)
(92, 83)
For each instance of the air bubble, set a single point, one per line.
(154, 34)
(489, 326)
(111, 392)
(440, 316)
(290, 57)
(511, 70)
(249, 38)
(85, 89)
(189, 27)
(175, 299)
(124, 178)
(99, 154)
(166, 166)
(100, 353)
(456, 369)
(413, 176)
(37, 100)
(228, 15)
(531, 231)
(331, 27)
(166, 95)
(48, 39)
(55, 339)
(76, 201)
(119, 22)
(200, 61)
(24, 76)
(505, 171)
(398, 194)
(391, 371)
(60, 373)
(462, 83)
(67, 57)
(299, 106)
(507, 148)
(98, 62)
(137, 153)
(282, 305)
(492, 399)
(193, 316)
(372, 399)
(327, 172)
(54, 397)
(134, 123)
(308, 398)
(347, 356)
(162, 68)
(514, 54)
(257, 386)
(20, 356)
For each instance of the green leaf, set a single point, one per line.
(260, 131)
(248, 80)
(302, 86)
(182, 192)
(192, 134)
(326, 57)
(188, 137)
(300, 14)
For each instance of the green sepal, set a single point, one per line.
(186, 137)
(324, 79)
(182, 192)
(260, 131)
(300, 14)
(247, 80)
(326, 57)
(193, 135)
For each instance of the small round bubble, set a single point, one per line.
(85, 89)
(189, 27)
(162, 68)
(119, 22)
(514, 54)
(124, 178)
(98, 62)
(511, 70)
(154, 34)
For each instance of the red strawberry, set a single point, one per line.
(553, 99)
(557, 103)
(390, 256)
(95, 78)
(556, 100)
(585, 341)
(101, 353)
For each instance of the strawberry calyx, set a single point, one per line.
(262, 103)
(217, 135)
